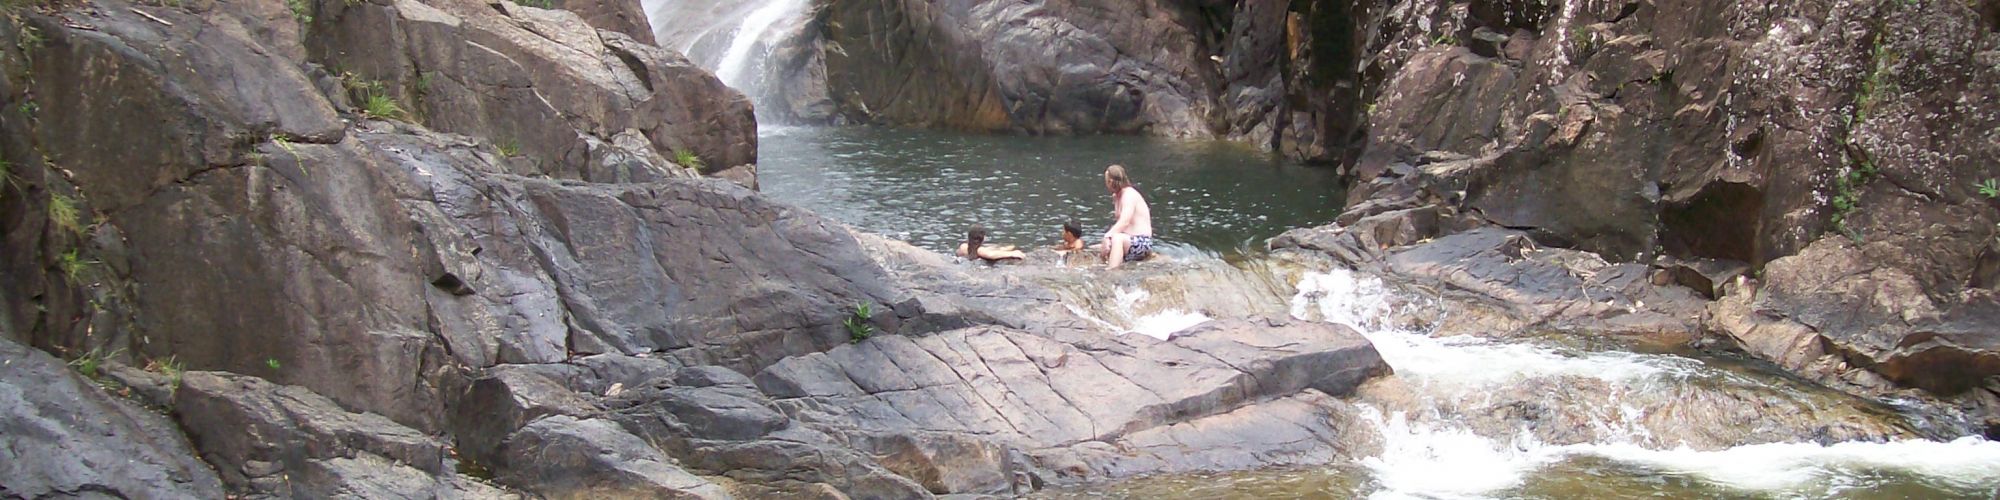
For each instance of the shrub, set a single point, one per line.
(687, 158)
(1990, 188)
(74, 266)
(301, 10)
(509, 148)
(858, 328)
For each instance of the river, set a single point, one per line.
(1607, 420)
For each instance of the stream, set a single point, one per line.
(1560, 416)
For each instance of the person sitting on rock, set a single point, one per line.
(1131, 238)
(975, 245)
(1072, 237)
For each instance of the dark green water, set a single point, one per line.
(927, 187)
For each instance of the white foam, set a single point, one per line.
(1779, 467)
(1424, 456)
(755, 26)
(1463, 364)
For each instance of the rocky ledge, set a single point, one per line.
(404, 248)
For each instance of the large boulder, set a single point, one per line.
(61, 436)
(539, 83)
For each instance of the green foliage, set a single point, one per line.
(1581, 40)
(63, 213)
(301, 10)
(539, 4)
(32, 38)
(858, 328)
(74, 266)
(687, 158)
(171, 368)
(1444, 38)
(424, 79)
(1847, 196)
(7, 174)
(509, 148)
(30, 108)
(91, 362)
(1875, 85)
(1990, 188)
(384, 107)
(271, 362)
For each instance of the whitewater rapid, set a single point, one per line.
(1428, 457)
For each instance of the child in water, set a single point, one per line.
(1072, 237)
(1131, 238)
(975, 245)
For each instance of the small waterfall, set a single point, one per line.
(750, 36)
(733, 39)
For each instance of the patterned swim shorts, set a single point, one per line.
(1142, 247)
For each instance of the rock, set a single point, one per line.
(507, 398)
(1870, 312)
(542, 82)
(259, 436)
(564, 457)
(627, 17)
(1029, 405)
(63, 436)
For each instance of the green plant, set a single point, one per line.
(90, 362)
(509, 148)
(1990, 188)
(1581, 40)
(30, 108)
(858, 328)
(271, 362)
(74, 266)
(301, 10)
(687, 158)
(171, 368)
(1875, 84)
(63, 213)
(424, 80)
(31, 38)
(383, 106)
(539, 4)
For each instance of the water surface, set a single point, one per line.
(928, 187)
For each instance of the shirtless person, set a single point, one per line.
(1131, 238)
(975, 245)
(1072, 237)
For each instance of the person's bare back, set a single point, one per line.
(1140, 220)
(1131, 237)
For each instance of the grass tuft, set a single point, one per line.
(509, 148)
(1990, 189)
(687, 158)
(171, 367)
(63, 213)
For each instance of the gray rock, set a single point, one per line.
(565, 457)
(258, 434)
(62, 436)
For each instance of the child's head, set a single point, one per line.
(1071, 233)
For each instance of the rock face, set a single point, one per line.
(1828, 149)
(370, 304)
(1273, 73)
(60, 436)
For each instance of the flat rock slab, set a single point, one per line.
(1032, 391)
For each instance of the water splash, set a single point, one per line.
(1417, 446)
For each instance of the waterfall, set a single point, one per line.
(732, 39)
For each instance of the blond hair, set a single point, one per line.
(1119, 181)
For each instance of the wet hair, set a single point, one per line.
(973, 238)
(1116, 175)
(1072, 228)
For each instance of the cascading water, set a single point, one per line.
(734, 40)
(1631, 425)
(1469, 417)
